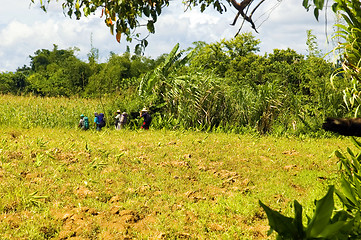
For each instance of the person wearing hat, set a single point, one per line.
(81, 122)
(147, 119)
(117, 119)
(123, 119)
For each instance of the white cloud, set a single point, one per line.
(24, 29)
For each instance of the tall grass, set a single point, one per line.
(49, 112)
(212, 109)
(30, 111)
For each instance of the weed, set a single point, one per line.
(41, 143)
(35, 200)
(95, 164)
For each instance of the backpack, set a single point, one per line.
(148, 119)
(86, 123)
(101, 120)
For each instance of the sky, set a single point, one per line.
(25, 28)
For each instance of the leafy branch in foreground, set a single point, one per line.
(125, 17)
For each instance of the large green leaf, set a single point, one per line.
(355, 142)
(171, 55)
(316, 12)
(322, 215)
(350, 152)
(281, 224)
(319, 3)
(339, 154)
(334, 229)
(306, 4)
(348, 191)
(298, 220)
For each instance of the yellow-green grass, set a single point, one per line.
(32, 111)
(61, 183)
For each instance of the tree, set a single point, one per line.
(14, 83)
(125, 17)
(44, 57)
(221, 56)
(61, 72)
(119, 73)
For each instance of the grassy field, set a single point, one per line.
(32, 111)
(60, 183)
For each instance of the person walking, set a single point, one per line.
(147, 118)
(83, 122)
(96, 122)
(101, 121)
(123, 120)
(117, 119)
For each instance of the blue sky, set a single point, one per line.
(24, 28)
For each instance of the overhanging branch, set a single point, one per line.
(241, 7)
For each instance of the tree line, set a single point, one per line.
(225, 85)
(58, 72)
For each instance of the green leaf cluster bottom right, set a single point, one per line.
(327, 221)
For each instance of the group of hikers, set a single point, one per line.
(120, 120)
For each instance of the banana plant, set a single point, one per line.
(160, 76)
(350, 190)
(350, 166)
(350, 32)
(198, 99)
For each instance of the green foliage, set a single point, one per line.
(154, 82)
(323, 224)
(57, 73)
(211, 87)
(350, 32)
(226, 84)
(198, 100)
(221, 56)
(120, 73)
(60, 73)
(312, 47)
(14, 83)
(328, 222)
(350, 190)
